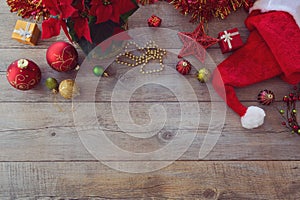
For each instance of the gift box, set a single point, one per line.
(230, 40)
(26, 32)
(154, 21)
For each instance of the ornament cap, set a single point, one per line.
(23, 63)
(54, 91)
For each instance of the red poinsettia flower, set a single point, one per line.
(81, 20)
(50, 28)
(59, 10)
(110, 9)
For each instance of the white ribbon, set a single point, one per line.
(24, 33)
(227, 37)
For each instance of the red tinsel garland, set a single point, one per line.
(28, 8)
(204, 10)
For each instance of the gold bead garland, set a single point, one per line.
(149, 52)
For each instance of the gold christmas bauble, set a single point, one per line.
(204, 75)
(68, 89)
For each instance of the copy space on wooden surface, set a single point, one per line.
(43, 157)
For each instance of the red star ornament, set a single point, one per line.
(196, 43)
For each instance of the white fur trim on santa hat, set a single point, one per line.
(290, 6)
(253, 118)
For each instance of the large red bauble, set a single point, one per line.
(23, 74)
(62, 56)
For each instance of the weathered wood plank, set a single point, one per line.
(39, 132)
(64, 144)
(149, 92)
(16, 116)
(194, 180)
(42, 156)
(127, 79)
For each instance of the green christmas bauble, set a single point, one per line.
(204, 75)
(51, 84)
(98, 70)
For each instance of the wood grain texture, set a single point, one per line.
(42, 156)
(191, 180)
(51, 129)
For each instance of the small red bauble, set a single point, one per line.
(62, 56)
(183, 67)
(23, 74)
(266, 97)
(286, 99)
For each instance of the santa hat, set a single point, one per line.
(272, 49)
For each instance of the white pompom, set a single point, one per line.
(253, 118)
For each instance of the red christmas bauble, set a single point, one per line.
(23, 74)
(266, 97)
(184, 67)
(62, 56)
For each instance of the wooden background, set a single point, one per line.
(42, 156)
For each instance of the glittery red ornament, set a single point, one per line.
(62, 56)
(154, 21)
(23, 74)
(183, 67)
(266, 97)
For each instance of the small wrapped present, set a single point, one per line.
(26, 32)
(154, 21)
(230, 40)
